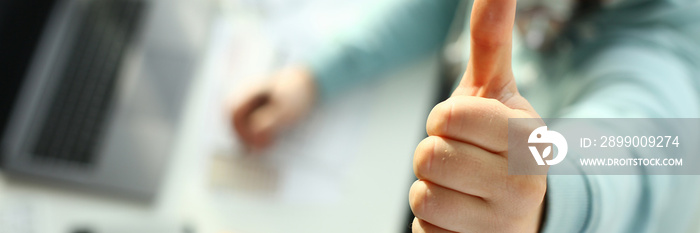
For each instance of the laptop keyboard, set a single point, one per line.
(79, 108)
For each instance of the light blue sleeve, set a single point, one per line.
(632, 81)
(400, 33)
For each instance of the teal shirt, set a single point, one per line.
(397, 34)
(636, 58)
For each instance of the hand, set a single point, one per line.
(463, 183)
(266, 110)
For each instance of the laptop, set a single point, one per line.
(98, 100)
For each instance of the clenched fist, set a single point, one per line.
(462, 166)
(263, 112)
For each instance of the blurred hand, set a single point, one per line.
(463, 183)
(264, 111)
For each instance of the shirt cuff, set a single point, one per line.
(568, 204)
(328, 72)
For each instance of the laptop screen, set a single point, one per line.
(21, 24)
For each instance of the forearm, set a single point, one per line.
(403, 32)
(625, 83)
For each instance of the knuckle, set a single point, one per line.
(418, 199)
(415, 226)
(449, 116)
(424, 156)
(480, 108)
(439, 118)
(529, 187)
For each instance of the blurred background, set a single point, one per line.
(114, 119)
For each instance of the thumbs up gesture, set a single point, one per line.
(462, 166)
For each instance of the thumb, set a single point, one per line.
(489, 71)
